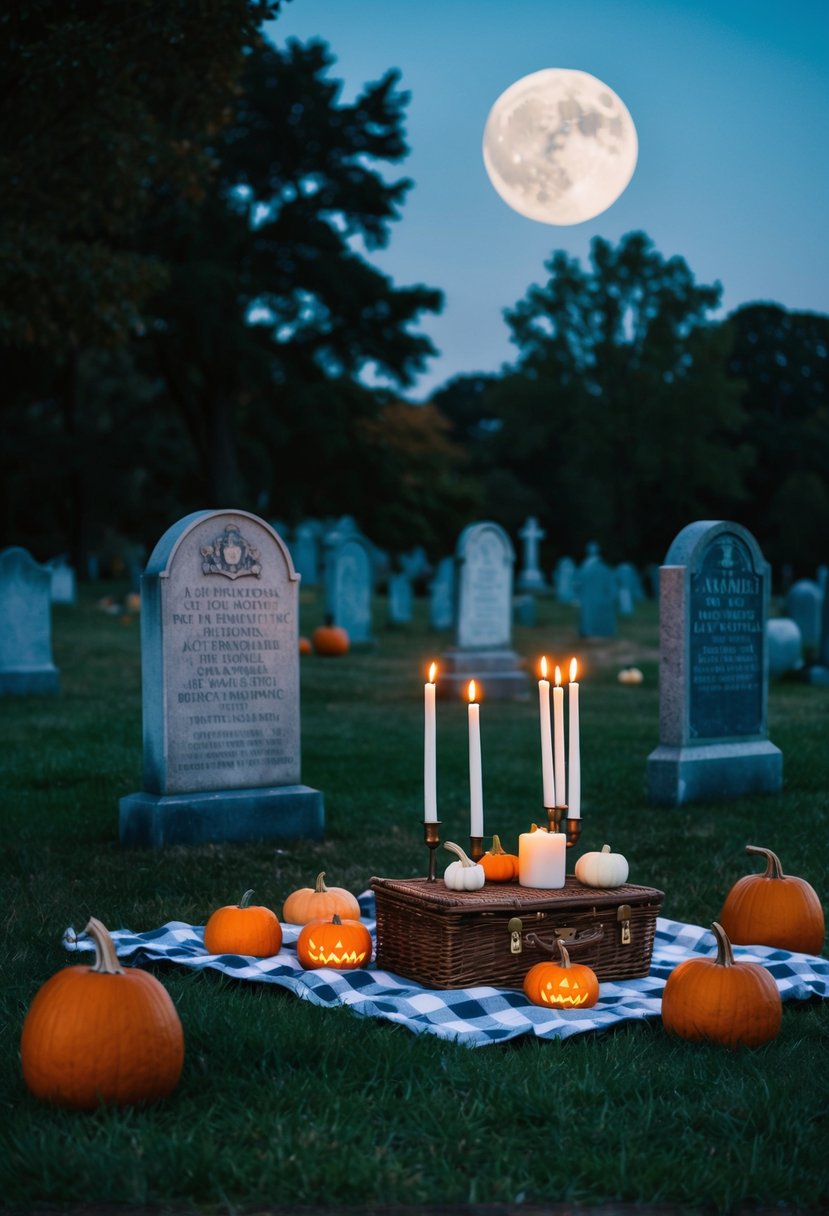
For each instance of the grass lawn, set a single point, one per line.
(283, 1102)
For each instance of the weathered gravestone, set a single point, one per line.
(531, 578)
(305, 552)
(785, 646)
(442, 595)
(564, 581)
(401, 599)
(484, 561)
(349, 585)
(26, 663)
(713, 671)
(804, 603)
(597, 598)
(818, 672)
(220, 676)
(64, 590)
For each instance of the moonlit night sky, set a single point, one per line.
(730, 99)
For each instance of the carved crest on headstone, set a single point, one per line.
(231, 555)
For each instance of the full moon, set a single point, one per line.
(560, 146)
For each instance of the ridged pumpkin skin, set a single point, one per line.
(774, 909)
(109, 1035)
(498, 865)
(736, 1004)
(341, 944)
(246, 928)
(319, 903)
(330, 640)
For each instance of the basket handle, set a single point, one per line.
(572, 943)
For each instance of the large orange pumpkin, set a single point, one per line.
(774, 909)
(318, 903)
(341, 944)
(101, 1033)
(736, 1004)
(562, 984)
(243, 928)
(498, 864)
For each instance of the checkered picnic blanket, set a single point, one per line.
(476, 1016)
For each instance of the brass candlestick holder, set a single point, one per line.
(558, 821)
(431, 834)
(476, 847)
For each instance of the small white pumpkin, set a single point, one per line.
(630, 675)
(464, 874)
(603, 869)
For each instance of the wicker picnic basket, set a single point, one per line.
(459, 939)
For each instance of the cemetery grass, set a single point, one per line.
(281, 1102)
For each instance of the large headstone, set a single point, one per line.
(442, 595)
(484, 560)
(26, 663)
(713, 671)
(220, 677)
(305, 552)
(349, 585)
(597, 598)
(531, 578)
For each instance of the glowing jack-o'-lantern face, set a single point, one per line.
(342, 944)
(563, 985)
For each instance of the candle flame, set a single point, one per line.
(433, 670)
(471, 691)
(558, 676)
(574, 669)
(544, 667)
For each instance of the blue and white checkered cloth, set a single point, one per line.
(476, 1016)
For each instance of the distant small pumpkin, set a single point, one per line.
(330, 640)
(305, 646)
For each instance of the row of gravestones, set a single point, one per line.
(220, 671)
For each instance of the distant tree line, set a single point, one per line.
(188, 319)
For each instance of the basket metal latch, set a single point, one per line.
(623, 917)
(515, 926)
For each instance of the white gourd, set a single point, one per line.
(603, 869)
(464, 874)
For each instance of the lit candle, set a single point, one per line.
(547, 779)
(574, 791)
(541, 858)
(430, 790)
(476, 793)
(558, 734)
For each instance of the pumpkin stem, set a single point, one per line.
(564, 952)
(496, 845)
(605, 848)
(336, 919)
(106, 958)
(725, 955)
(245, 900)
(456, 848)
(320, 887)
(773, 866)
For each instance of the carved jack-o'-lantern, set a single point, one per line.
(341, 944)
(562, 985)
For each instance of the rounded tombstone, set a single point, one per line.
(785, 645)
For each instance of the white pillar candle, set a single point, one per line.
(541, 858)
(476, 794)
(430, 791)
(558, 732)
(574, 790)
(547, 779)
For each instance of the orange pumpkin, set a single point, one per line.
(499, 866)
(319, 903)
(100, 1033)
(341, 944)
(561, 985)
(736, 1004)
(330, 639)
(243, 928)
(305, 646)
(774, 909)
